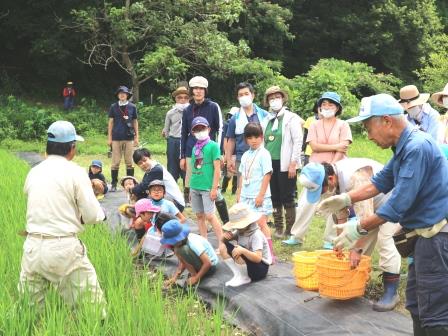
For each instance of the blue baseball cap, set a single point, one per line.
(173, 232)
(199, 121)
(376, 106)
(329, 95)
(97, 163)
(62, 131)
(311, 178)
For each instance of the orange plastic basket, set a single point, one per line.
(305, 269)
(337, 280)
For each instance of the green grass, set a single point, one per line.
(136, 303)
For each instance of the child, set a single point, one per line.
(250, 258)
(98, 180)
(129, 182)
(194, 252)
(144, 212)
(205, 175)
(155, 171)
(157, 194)
(256, 171)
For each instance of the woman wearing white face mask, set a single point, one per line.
(441, 99)
(329, 138)
(420, 113)
(283, 140)
(172, 131)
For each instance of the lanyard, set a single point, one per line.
(248, 168)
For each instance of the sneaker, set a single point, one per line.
(291, 241)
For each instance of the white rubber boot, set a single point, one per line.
(240, 276)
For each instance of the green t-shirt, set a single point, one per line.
(202, 175)
(273, 139)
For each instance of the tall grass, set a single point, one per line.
(136, 303)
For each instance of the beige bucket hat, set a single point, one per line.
(272, 90)
(180, 90)
(240, 216)
(437, 97)
(410, 97)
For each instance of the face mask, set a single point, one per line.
(276, 104)
(415, 112)
(445, 101)
(201, 135)
(327, 113)
(245, 101)
(180, 106)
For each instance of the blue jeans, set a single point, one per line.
(69, 102)
(427, 287)
(172, 156)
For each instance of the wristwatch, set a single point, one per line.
(361, 231)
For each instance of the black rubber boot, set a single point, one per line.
(221, 206)
(278, 222)
(234, 184)
(290, 217)
(130, 171)
(436, 331)
(225, 184)
(114, 175)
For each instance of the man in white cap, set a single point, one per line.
(200, 107)
(322, 180)
(416, 177)
(419, 111)
(60, 202)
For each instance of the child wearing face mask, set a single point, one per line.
(205, 177)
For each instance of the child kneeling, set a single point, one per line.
(250, 257)
(194, 252)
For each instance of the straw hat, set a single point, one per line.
(410, 97)
(180, 90)
(272, 90)
(240, 217)
(437, 97)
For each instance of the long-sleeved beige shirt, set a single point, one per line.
(59, 195)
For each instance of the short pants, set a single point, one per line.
(201, 202)
(265, 208)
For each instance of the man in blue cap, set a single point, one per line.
(416, 177)
(60, 202)
(323, 180)
(122, 133)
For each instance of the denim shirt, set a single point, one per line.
(418, 175)
(430, 121)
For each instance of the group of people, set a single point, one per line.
(365, 203)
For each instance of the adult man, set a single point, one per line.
(419, 111)
(416, 176)
(200, 107)
(249, 112)
(69, 94)
(122, 133)
(321, 180)
(60, 201)
(172, 132)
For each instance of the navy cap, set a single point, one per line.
(199, 121)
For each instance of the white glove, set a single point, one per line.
(334, 203)
(350, 233)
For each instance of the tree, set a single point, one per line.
(160, 40)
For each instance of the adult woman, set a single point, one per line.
(329, 138)
(283, 140)
(441, 99)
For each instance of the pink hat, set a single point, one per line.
(145, 205)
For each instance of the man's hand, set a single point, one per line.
(109, 141)
(163, 133)
(183, 164)
(355, 257)
(213, 194)
(334, 203)
(349, 235)
(292, 170)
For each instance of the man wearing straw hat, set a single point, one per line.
(419, 111)
(441, 99)
(321, 180)
(172, 132)
(417, 201)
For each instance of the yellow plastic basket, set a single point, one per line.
(336, 278)
(305, 269)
